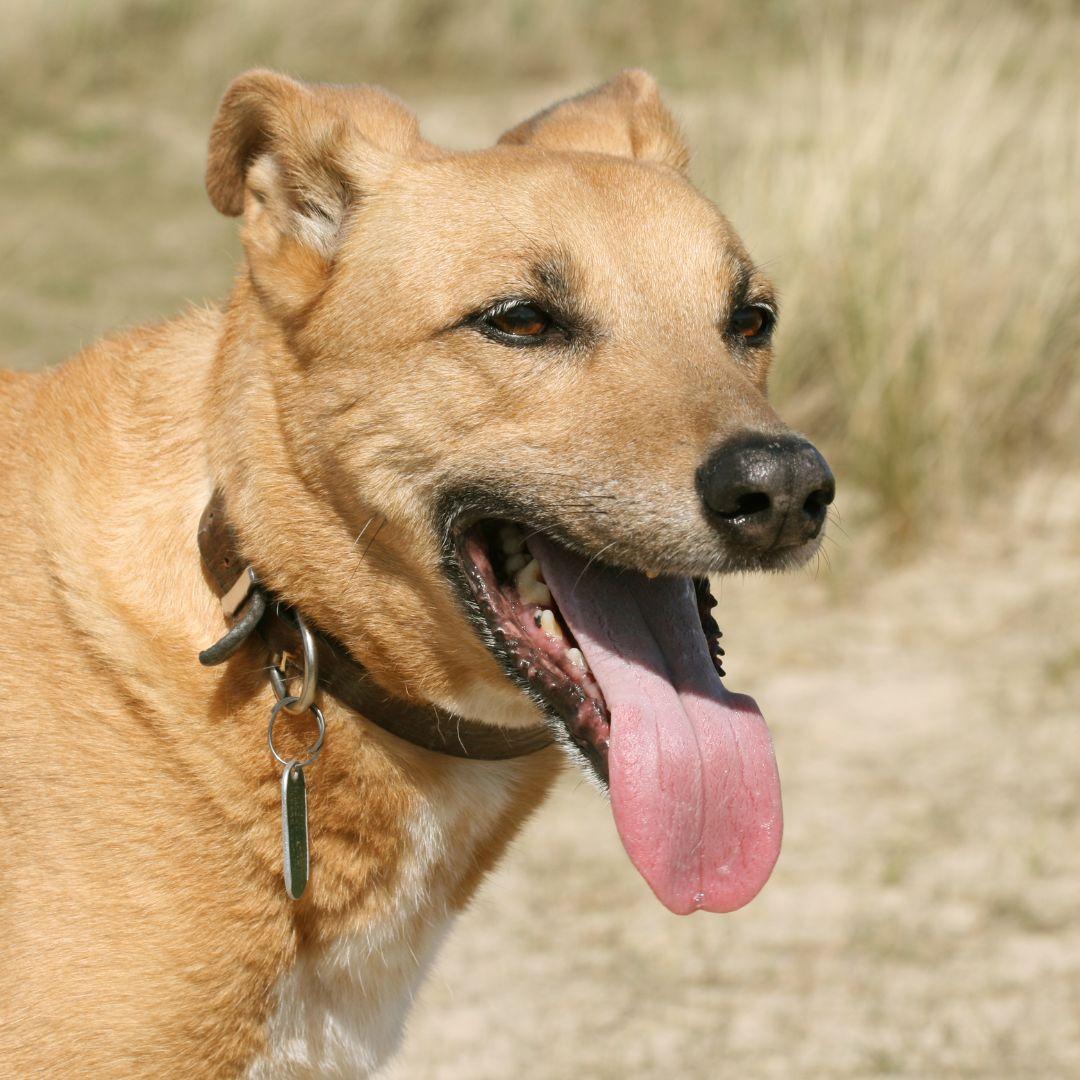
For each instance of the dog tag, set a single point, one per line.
(294, 829)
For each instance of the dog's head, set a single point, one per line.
(486, 417)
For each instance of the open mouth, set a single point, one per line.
(626, 667)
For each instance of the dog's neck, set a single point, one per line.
(390, 823)
(255, 612)
(266, 457)
(377, 584)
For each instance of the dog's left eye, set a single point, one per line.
(753, 323)
(519, 320)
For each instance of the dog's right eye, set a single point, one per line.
(517, 323)
(753, 324)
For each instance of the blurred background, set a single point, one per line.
(909, 175)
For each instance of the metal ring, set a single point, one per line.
(310, 686)
(314, 752)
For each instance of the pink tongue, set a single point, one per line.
(693, 779)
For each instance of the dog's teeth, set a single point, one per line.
(550, 625)
(514, 563)
(529, 586)
(577, 658)
(511, 539)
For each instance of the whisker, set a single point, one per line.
(833, 518)
(592, 559)
(367, 548)
(823, 556)
(360, 534)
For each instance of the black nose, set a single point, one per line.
(767, 491)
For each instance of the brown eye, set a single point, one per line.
(753, 323)
(520, 321)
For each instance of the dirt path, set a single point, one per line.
(924, 919)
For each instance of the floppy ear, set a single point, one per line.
(624, 117)
(291, 157)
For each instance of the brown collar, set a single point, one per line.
(340, 675)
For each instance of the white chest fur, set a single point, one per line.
(341, 1012)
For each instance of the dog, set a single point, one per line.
(468, 436)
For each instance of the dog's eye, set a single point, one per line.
(753, 323)
(520, 320)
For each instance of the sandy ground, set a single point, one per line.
(923, 919)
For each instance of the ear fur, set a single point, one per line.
(291, 157)
(625, 117)
(305, 125)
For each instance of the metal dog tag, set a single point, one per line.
(294, 829)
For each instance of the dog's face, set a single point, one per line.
(552, 350)
(573, 335)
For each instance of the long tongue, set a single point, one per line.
(693, 779)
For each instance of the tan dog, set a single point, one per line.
(480, 418)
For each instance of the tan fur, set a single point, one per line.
(144, 925)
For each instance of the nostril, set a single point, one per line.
(816, 502)
(753, 502)
(814, 476)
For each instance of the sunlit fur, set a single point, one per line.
(336, 398)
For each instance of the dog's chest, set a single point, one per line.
(340, 1011)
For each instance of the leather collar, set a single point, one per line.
(340, 675)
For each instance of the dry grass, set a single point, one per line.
(909, 175)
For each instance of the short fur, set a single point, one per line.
(339, 394)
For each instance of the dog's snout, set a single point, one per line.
(766, 491)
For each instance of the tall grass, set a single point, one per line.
(908, 173)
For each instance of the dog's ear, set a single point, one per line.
(625, 117)
(292, 157)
